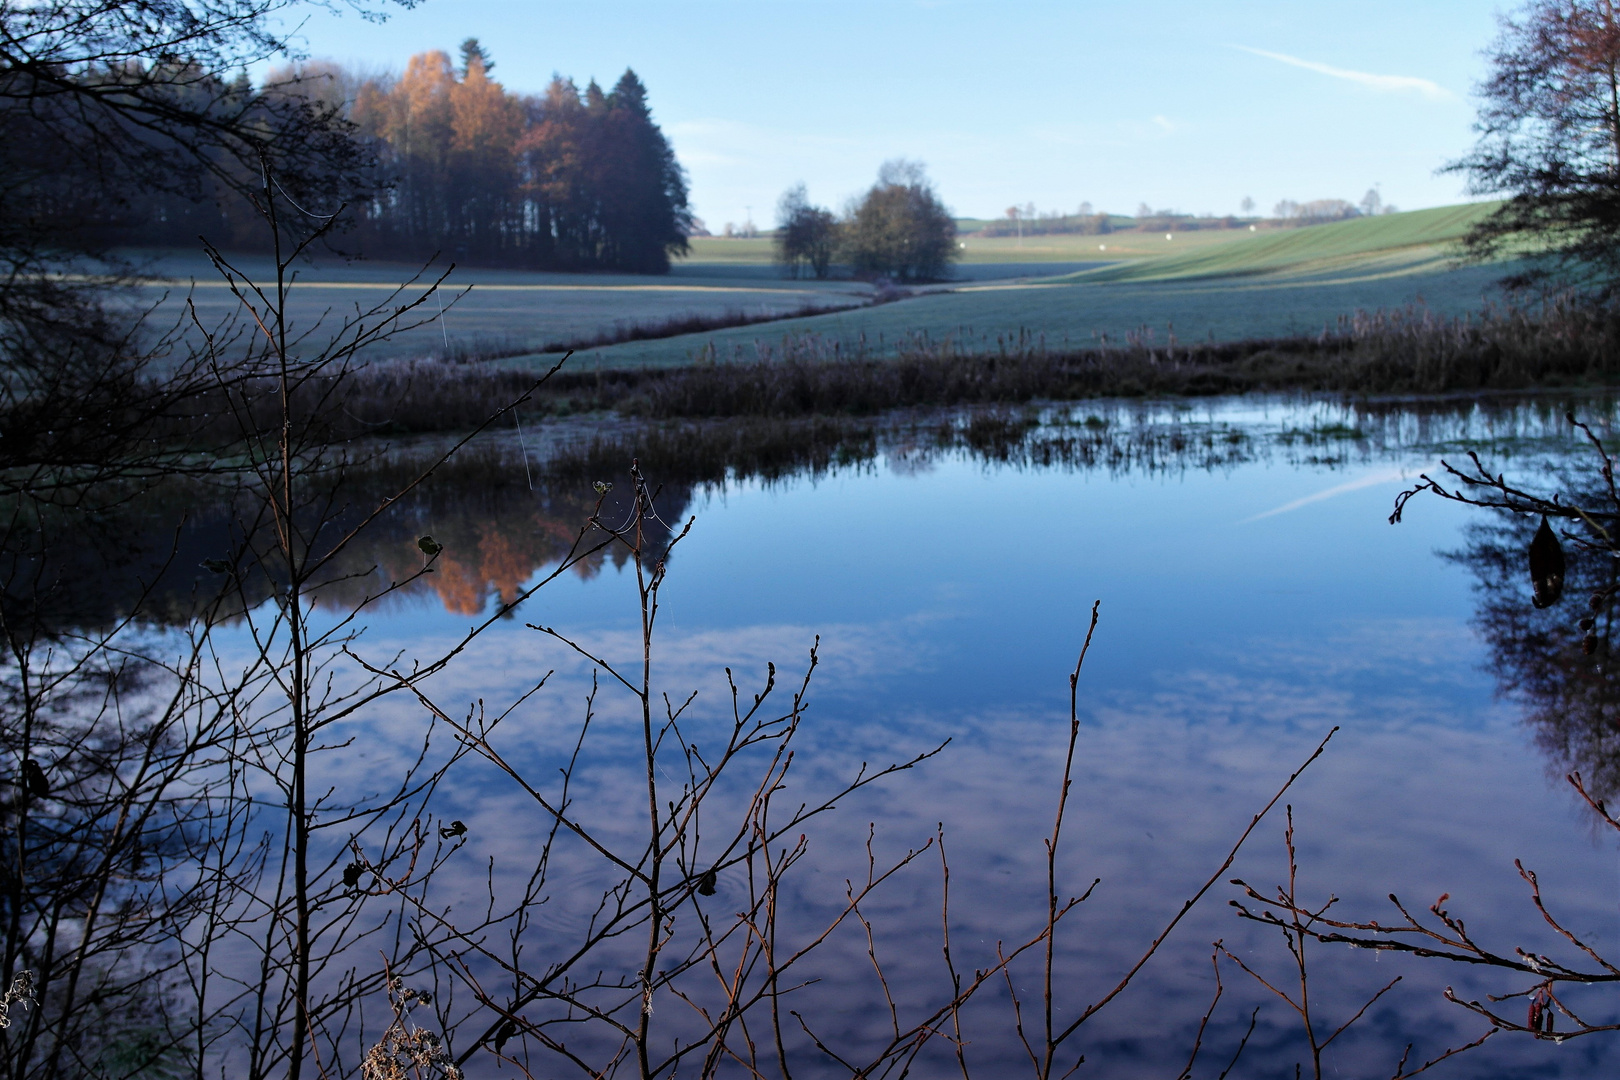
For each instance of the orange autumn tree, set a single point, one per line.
(476, 173)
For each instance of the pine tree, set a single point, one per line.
(642, 186)
(475, 56)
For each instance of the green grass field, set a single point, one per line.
(717, 250)
(1215, 284)
(730, 251)
(1157, 255)
(502, 310)
(1211, 285)
(1131, 246)
(1421, 235)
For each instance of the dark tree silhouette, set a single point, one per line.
(1548, 616)
(1549, 140)
(103, 104)
(1555, 660)
(806, 235)
(475, 55)
(113, 114)
(641, 186)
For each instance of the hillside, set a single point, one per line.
(1423, 234)
(1154, 256)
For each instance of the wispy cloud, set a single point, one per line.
(1370, 480)
(1384, 83)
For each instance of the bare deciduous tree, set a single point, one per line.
(1549, 142)
(806, 235)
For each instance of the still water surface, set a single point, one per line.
(1253, 596)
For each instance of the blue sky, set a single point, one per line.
(1191, 106)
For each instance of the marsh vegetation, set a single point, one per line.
(866, 706)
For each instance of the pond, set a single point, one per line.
(1253, 597)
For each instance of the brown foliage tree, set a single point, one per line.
(1549, 126)
(900, 229)
(567, 180)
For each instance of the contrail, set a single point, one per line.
(1405, 472)
(1385, 83)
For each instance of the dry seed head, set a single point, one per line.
(20, 992)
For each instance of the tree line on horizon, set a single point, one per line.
(900, 230)
(459, 166)
(1026, 220)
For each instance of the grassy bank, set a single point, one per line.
(812, 377)
(1561, 343)
(815, 405)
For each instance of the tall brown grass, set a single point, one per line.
(1561, 342)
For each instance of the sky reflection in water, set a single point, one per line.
(1244, 614)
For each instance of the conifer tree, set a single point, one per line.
(643, 191)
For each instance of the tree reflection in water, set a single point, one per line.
(1571, 698)
(501, 524)
(65, 571)
(1547, 614)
